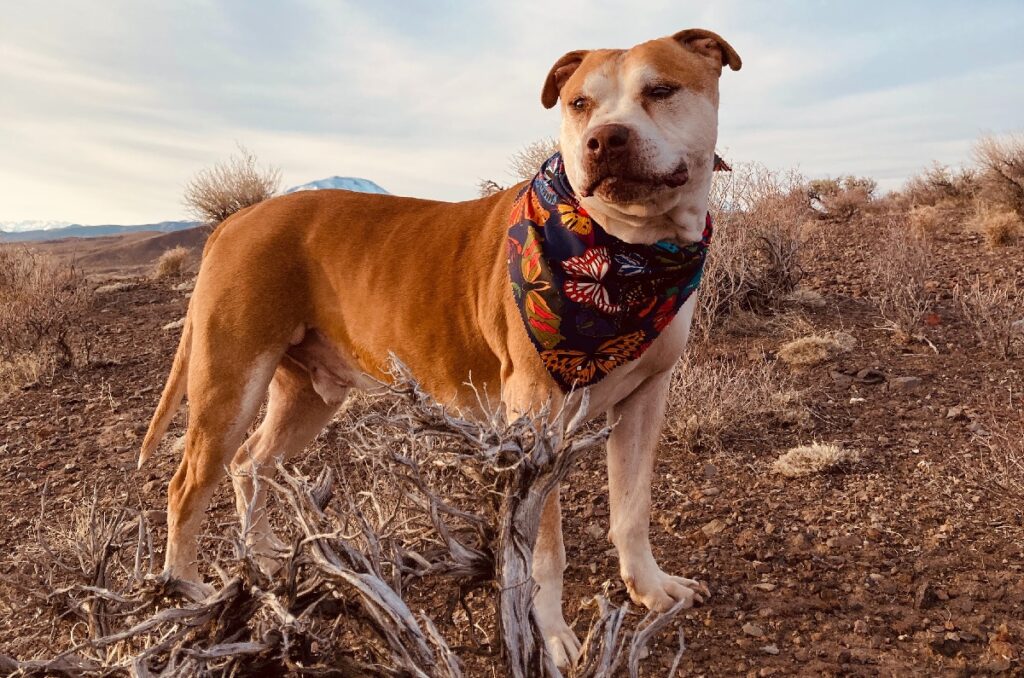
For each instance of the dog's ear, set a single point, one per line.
(711, 45)
(559, 74)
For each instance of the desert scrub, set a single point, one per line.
(817, 457)
(215, 193)
(993, 312)
(1000, 227)
(902, 265)
(41, 304)
(815, 349)
(171, 263)
(711, 398)
(1000, 162)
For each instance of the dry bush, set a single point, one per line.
(941, 185)
(840, 200)
(902, 266)
(215, 193)
(991, 310)
(525, 162)
(41, 304)
(171, 263)
(523, 165)
(456, 546)
(815, 349)
(926, 219)
(1000, 227)
(754, 261)
(1000, 163)
(814, 458)
(713, 397)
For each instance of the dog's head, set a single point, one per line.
(639, 126)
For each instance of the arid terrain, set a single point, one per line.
(903, 556)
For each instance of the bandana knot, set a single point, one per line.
(590, 302)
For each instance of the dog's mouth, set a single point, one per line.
(614, 187)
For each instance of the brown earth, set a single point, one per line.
(905, 563)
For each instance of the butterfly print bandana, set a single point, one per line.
(590, 302)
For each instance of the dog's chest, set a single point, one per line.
(661, 357)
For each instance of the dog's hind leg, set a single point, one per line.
(296, 413)
(225, 390)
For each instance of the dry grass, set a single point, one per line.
(991, 311)
(523, 165)
(815, 349)
(1000, 163)
(1000, 227)
(215, 193)
(711, 398)
(806, 460)
(902, 268)
(41, 304)
(171, 263)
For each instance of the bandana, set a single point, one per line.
(590, 302)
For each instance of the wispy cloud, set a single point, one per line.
(108, 108)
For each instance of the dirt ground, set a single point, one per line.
(905, 563)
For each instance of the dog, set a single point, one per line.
(307, 296)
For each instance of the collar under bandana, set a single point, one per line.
(590, 302)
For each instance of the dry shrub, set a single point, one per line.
(991, 311)
(815, 349)
(902, 264)
(171, 263)
(523, 165)
(840, 200)
(926, 219)
(814, 458)
(754, 262)
(41, 304)
(215, 193)
(940, 185)
(713, 397)
(1000, 227)
(1000, 163)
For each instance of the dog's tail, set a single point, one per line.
(174, 391)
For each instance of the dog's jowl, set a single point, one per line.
(583, 277)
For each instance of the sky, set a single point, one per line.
(107, 108)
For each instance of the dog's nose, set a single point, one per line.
(608, 141)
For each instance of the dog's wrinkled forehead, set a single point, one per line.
(691, 59)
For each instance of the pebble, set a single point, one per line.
(753, 630)
(714, 527)
(772, 649)
(905, 383)
(176, 325)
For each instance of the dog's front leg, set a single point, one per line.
(637, 427)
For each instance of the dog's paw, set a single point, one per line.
(166, 583)
(561, 643)
(660, 592)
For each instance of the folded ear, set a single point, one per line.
(710, 45)
(559, 74)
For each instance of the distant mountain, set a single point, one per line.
(80, 231)
(32, 225)
(343, 183)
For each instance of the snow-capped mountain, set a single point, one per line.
(344, 183)
(31, 225)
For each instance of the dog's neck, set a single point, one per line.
(678, 217)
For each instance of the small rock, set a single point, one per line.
(753, 630)
(176, 325)
(1017, 327)
(112, 288)
(70, 467)
(186, 286)
(772, 649)
(595, 531)
(905, 383)
(711, 491)
(870, 376)
(840, 379)
(860, 626)
(714, 527)
(156, 517)
(765, 586)
(710, 470)
(955, 413)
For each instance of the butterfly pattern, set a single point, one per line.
(589, 301)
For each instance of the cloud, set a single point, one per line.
(109, 107)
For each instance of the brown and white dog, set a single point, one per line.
(306, 296)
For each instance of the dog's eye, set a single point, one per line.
(661, 91)
(579, 103)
